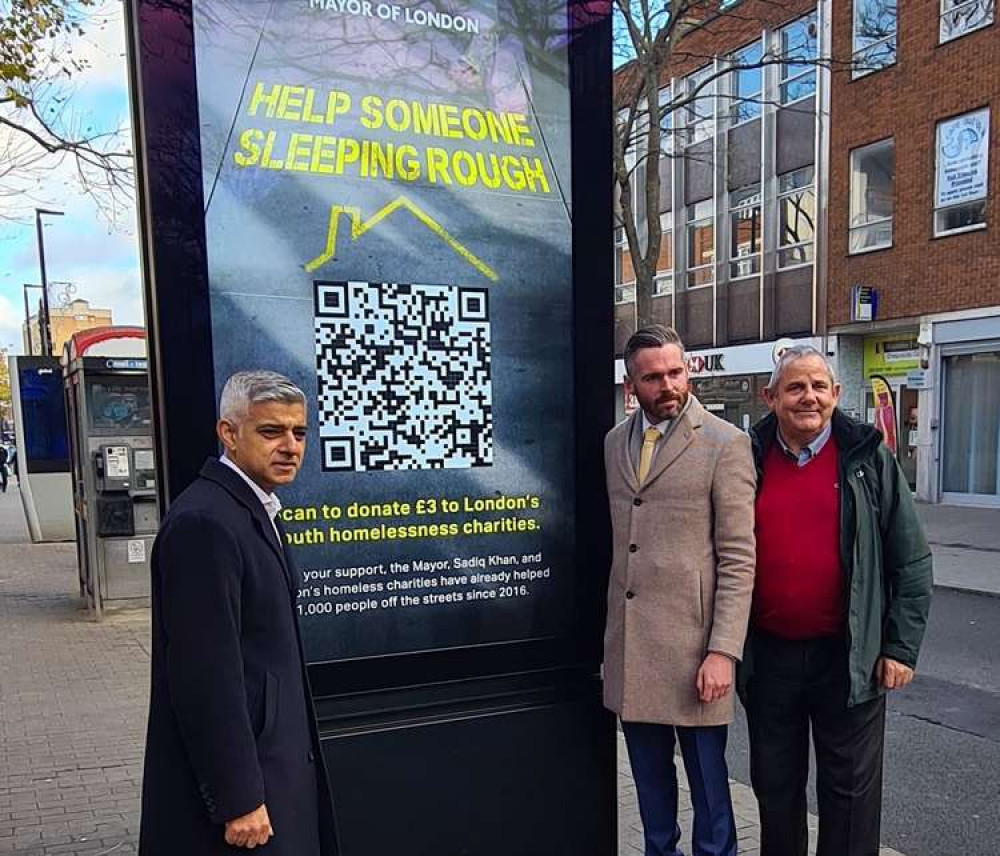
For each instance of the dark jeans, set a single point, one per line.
(3, 477)
(795, 685)
(651, 754)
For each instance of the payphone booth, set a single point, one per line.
(113, 463)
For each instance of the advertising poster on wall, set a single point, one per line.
(387, 220)
(963, 146)
(885, 412)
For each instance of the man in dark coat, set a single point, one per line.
(232, 749)
(840, 604)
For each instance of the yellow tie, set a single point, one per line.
(650, 438)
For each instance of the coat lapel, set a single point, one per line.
(240, 490)
(679, 438)
(624, 453)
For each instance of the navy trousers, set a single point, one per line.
(651, 753)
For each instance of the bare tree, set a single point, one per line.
(656, 38)
(39, 128)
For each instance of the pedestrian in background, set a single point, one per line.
(840, 604)
(3, 468)
(232, 750)
(681, 487)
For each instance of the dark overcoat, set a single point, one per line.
(231, 723)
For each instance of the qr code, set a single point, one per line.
(403, 372)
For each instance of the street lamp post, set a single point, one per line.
(27, 318)
(46, 327)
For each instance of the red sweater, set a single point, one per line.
(800, 588)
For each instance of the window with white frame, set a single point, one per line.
(959, 17)
(664, 281)
(699, 114)
(874, 35)
(744, 232)
(796, 218)
(799, 51)
(624, 272)
(701, 244)
(873, 186)
(962, 173)
(747, 83)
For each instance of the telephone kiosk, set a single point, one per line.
(113, 463)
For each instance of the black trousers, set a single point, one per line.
(796, 685)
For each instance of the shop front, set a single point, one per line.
(967, 357)
(893, 380)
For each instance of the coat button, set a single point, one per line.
(633, 548)
(637, 501)
(629, 595)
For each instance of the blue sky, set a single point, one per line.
(80, 247)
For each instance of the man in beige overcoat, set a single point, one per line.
(681, 490)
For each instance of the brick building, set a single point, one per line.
(914, 207)
(796, 197)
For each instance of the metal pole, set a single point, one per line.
(27, 318)
(46, 328)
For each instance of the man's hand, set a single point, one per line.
(251, 830)
(891, 674)
(715, 677)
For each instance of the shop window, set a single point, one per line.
(744, 232)
(796, 218)
(701, 244)
(700, 111)
(873, 180)
(972, 424)
(959, 17)
(961, 173)
(747, 83)
(664, 281)
(874, 36)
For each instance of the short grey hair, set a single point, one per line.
(653, 336)
(244, 389)
(798, 352)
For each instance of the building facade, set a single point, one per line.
(741, 171)
(66, 320)
(848, 203)
(914, 264)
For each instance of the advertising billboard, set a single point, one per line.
(388, 222)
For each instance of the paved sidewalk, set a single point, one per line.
(966, 546)
(72, 706)
(744, 806)
(73, 696)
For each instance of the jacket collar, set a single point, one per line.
(242, 493)
(851, 435)
(681, 434)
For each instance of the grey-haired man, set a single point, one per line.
(232, 750)
(840, 603)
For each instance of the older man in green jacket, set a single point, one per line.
(840, 604)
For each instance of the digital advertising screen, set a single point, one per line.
(44, 447)
(388, 222)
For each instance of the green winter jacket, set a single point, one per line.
(883, 552)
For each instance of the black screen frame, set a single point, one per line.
(175, 273)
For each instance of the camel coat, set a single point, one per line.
(682, 569)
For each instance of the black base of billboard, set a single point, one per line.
(502, 768)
